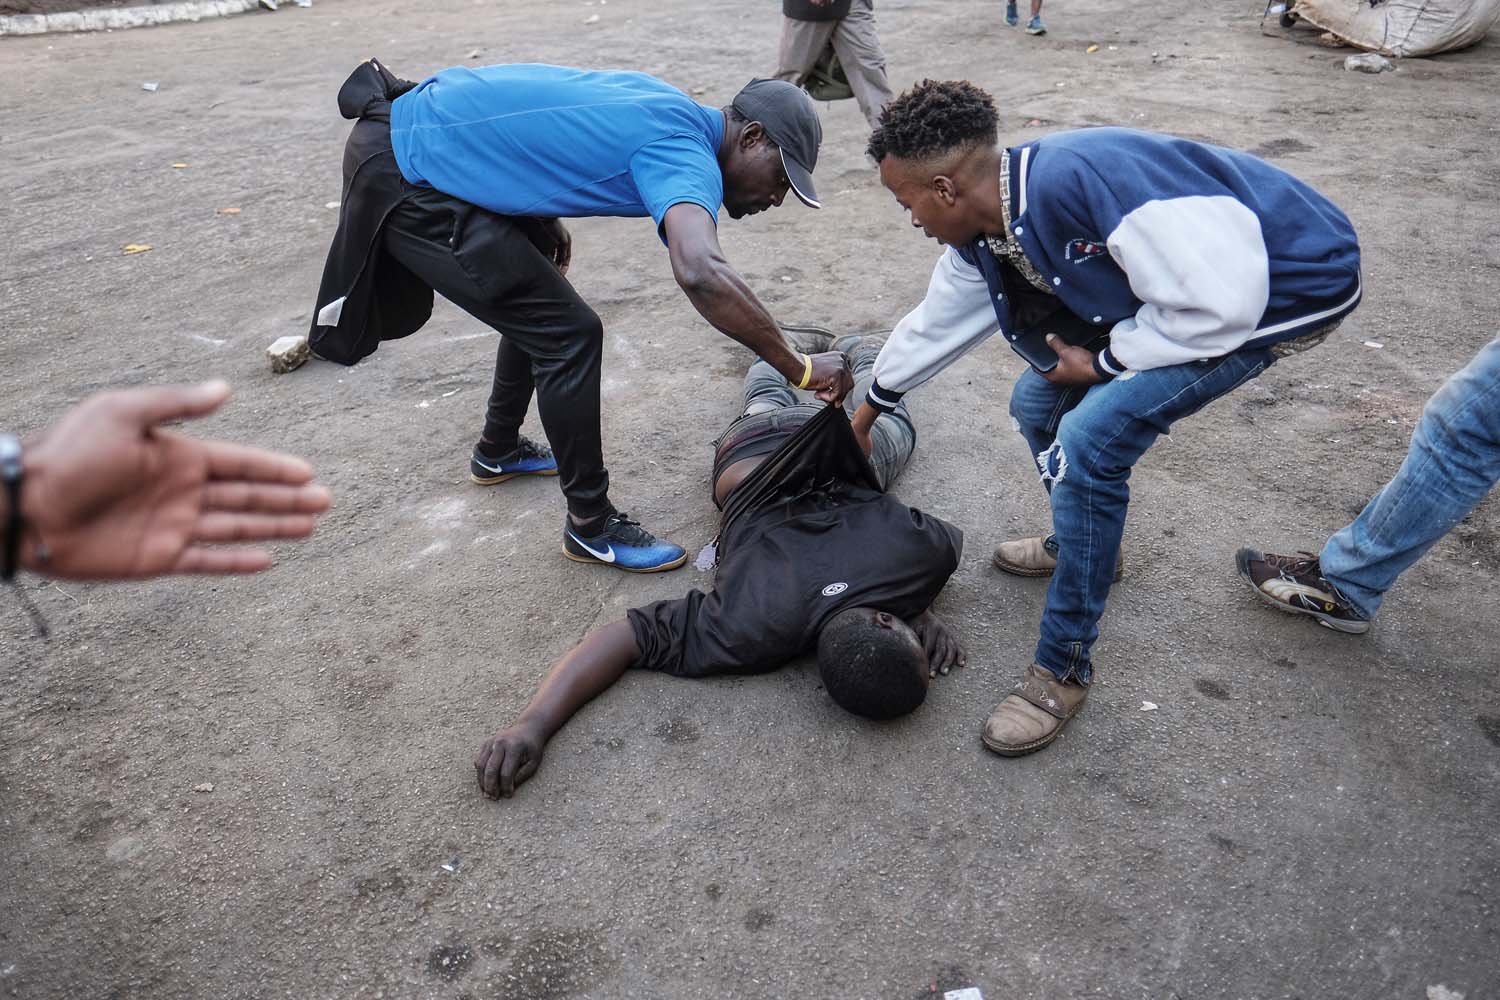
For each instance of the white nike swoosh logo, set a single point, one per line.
(608, 555)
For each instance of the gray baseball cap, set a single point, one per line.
(791, 121)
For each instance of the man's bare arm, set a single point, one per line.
(513, 754)
(863, 420)
(719, 293)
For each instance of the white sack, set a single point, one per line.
(1403, 27)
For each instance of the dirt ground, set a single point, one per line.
(1305, 814)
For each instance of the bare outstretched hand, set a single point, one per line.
(110, 495)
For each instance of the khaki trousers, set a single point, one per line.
(856, 45)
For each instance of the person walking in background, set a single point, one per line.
(1033, 26)
(810, 26)
(1454, 461)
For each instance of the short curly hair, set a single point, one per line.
(933, 118)
(875, 672)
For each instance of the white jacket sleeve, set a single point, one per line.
(1200, 267)
(954, 318)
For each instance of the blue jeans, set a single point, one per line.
(1086, 439)
(1453, 462)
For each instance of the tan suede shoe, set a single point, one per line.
(1029, 557)
(1034, 712)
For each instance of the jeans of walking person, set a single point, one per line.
(551, 342)
(1086, 440)
(1453, 462)
(770, 398)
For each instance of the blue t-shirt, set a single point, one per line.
(551, 141)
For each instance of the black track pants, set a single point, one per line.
(550, 340)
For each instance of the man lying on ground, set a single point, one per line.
(811, 553)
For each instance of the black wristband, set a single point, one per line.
(10, 476)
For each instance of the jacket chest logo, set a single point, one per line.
(1080, 250)
(835, 589)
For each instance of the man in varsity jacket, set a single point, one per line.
(1142, 276)
(811, 554)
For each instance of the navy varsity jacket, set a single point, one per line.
(1174, 249)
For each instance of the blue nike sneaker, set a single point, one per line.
(623, 544)
(529, 459)
(1035, 26)
(1012, 17)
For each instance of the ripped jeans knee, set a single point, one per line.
(1052, 464)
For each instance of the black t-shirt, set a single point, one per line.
(811, 549)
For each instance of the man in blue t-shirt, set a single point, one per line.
(457, 184)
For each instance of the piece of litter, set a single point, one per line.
(1441, 992)
(450, 866)
(206, 786)
(1148, 706)
(451, 392)
(1061, 84)
(1276, 8)
(591, 19)
(330, 204)
(786, 277)
(423, 405)
(474, 54)
(151, 86)
(707, 558)
(967, 993)
(288, 353)
(179, 166)
(1374, 343)
(699, 91)
(330, 314)
(228, 211)
(1033, 123)
(1092, 48)
(1114, 48)
(136, 247)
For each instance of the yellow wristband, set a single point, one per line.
(807, 374)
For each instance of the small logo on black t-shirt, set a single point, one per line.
(834, 589)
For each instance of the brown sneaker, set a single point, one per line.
(1296, 584)
(1029, 557)
(1033, 713)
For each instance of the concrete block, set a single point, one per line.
(66, 21)
(288, 354)
(23, 24)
